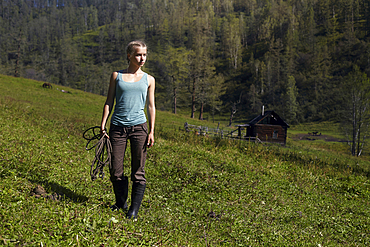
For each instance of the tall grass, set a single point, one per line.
(201, 191)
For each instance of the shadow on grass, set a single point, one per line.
(52, 187)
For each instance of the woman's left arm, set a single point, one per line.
(151, 110)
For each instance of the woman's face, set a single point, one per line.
(138, 58)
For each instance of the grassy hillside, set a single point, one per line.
(201, 191)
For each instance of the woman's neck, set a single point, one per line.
(133, 70)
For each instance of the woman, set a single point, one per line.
(130, 87)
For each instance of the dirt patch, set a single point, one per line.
(40, 192)
(310, 137)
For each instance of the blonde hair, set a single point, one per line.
(130, 49)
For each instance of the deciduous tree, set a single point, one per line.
(356, 115)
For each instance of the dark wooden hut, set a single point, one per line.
(267, 127)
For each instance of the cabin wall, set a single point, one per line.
(270, 133)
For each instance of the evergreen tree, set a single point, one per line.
(256, 47)
(201, 62)
(177, 70)
(291, 104)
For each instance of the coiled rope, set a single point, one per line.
(102, 147)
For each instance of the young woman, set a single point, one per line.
(130, 87)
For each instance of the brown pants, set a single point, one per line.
(137, 135)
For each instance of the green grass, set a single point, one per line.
(332, 143)
(325, 128)
(201, 191)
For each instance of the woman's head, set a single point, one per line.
(131, 47)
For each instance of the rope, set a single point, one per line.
(101, 147)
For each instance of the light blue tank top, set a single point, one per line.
(130, 101)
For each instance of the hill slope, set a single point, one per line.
(201, 192)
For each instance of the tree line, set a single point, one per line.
(307, 60)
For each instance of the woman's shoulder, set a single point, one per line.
(118, 72)
(114, 75)
(150, 79)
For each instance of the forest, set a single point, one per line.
(307, 60)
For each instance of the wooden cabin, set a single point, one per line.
(267, 127)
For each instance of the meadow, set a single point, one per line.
(201, 191)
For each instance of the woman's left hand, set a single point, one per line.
(150, 140)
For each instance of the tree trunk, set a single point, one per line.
(174, 100)
(193, 100)
(231, 118)
(213, 114)
(233, 111)
(201, 111)
(352, 23)
(358, 141)
(16, 73)
(353, 151)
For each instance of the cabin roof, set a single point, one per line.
(270, 117)
(275, 119)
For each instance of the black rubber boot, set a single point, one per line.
(137, 195)
(120, 188)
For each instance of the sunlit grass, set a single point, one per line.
(201, 191)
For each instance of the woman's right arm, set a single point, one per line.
(108, 103)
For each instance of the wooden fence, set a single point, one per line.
(205, 131)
